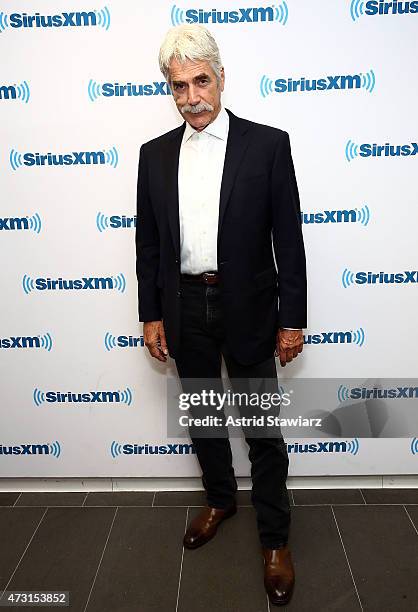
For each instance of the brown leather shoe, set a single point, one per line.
(279, 575)
(204, 526)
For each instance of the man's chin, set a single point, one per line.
(198, 119)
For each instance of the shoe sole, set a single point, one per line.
(199, 544)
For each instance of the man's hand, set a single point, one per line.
(289, 343)
(154, 339)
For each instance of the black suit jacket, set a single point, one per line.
(259, 212)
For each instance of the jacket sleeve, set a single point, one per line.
(287, 239)
(147, 248)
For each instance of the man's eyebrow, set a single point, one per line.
(203, 75)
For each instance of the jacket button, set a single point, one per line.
(178, 293)
(177, 260)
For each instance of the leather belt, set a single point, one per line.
(207, 278)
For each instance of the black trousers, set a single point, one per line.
(200, 357)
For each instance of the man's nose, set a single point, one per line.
(193, 97)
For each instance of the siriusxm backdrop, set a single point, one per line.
(80, 91)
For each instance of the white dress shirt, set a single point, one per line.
(201, 162)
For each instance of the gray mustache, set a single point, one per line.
(198, 108)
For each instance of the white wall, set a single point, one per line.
(309, 39)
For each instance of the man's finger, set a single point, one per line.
(289, 355)
(158, 354)
(283, 359)
(155, 351)
(163, 342)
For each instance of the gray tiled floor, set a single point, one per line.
(122, 551)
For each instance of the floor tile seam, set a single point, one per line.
(24, 552)
(181, 562)
(347, 559)
(101, 559)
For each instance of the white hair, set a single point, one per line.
(189, 41)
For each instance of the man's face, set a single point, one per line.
(196, 91)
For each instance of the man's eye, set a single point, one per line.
(178, 86)
(203, 81)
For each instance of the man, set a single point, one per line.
(217, 202)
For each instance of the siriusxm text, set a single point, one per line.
(8, 92)
(129, 341)
(240, 15)
(14, 223)
(372, 278)
(75, 158)
(330, 216)
(122, 221)
(25, 449)
(20, 342)
(340, 337)
(156, 88)
(85, 283)
(384, 393)
(318, 447)
(289, 85)
(155, 449)
(388, 150)
(60, 20)
(381, 7)
(101, 397)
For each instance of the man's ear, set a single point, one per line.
(222, 83)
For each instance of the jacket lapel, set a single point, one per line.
(236, 147)
(171, 168)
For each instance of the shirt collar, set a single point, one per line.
(218, 128)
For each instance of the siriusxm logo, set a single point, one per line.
(91, 397)
(75, 158)
(259, 14)
(32, 223)
(76, 19)
(27, 342)
(95, 283)
(360, 8)
(112, 342)
(15, 92)
(115, 90)
(382, 278)
(344, 446)
(117, 449)
(338, 337)
(344, 393)
(47, 448)
(103, 222)
(361, 80)
(414, 446)
(354, 215)
(353, 150)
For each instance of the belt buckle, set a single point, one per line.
(209, 278)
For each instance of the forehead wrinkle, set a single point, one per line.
(179, 72)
